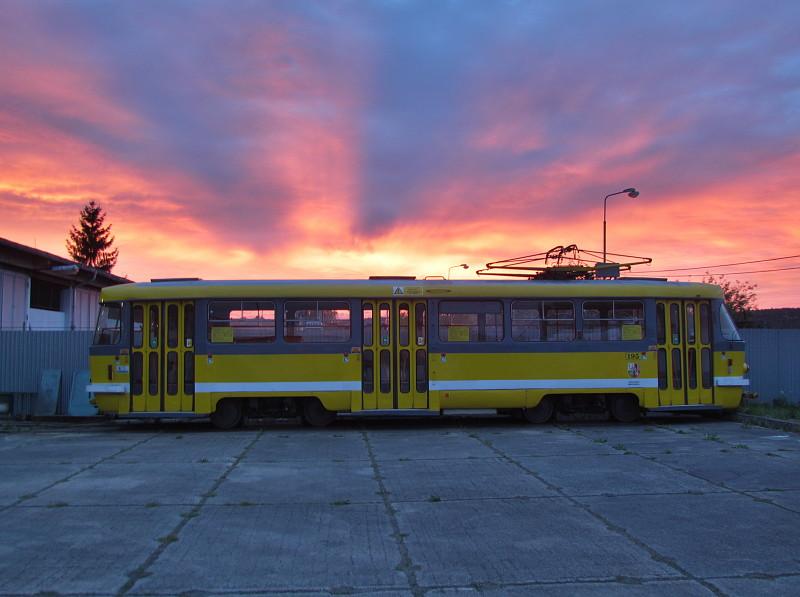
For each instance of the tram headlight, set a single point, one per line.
(745, 368)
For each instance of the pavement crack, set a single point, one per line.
(406, 563)
(30, 496)
(667, 561)
(142, 571)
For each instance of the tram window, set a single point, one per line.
(705, 323)
(316, 321)
(368, 372)
(705, 366)
(534, 321)
(385, 371)
(661, 324)
(152, 374)
(677, 374)
(402, 324)
(691, 368)
(675, 323)
(471, 321)
(420, 318)
(172, 326)
(422, 370)
(154, 317)
(366, 318)
(109, 324)
(188, 326)
(138, 326)
(526, 321)
(559, 321)
(726, 325)
(385, 315)
(172, 373)
(662, 369)
(405, 371)
(188, 373)
(241, 322)
(137, 364)
(691, 332)
(613, 320)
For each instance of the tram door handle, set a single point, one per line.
(110, 373)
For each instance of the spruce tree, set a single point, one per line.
(90, 243)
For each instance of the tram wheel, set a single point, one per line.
(316, 415)
(625, 409)
(541, 413)
(228, 414)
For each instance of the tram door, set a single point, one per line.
(684, 353)
(162, 357)
(394, 359)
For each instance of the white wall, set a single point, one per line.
(43, 319)
(81, 306)
(13, 300)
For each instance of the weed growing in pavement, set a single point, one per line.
(620, 447)
(341, 503)
(203, 461)
(711, 437)
(152, 505)
(742, 447)
(434, 498)
(600, 440)
(166, 539)
(57, 505)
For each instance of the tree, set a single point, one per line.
(90, 243)
(740, 297)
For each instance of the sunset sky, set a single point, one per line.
(343, 139)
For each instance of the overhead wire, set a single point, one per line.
(756, 271)
(686, 269)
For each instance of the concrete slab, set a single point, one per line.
(298, 483)
(738, 469)
(516, 541)
(301, 444)
(134, 484)
(541, 441)
(458, 479)
(615, 474)
(193, 445)
(18, 480)
(710, 535)
(618, 588)
(787, 499)
(58, 450)
(281, 547)
(444, 444)
(787, 586)
(77, 550)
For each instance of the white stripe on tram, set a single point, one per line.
(544, 384)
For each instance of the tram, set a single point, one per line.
(234, 349)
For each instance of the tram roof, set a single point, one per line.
(404, 288)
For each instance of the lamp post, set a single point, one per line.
(464, 265)
(632, 193)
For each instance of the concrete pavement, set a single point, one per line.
(450, 506)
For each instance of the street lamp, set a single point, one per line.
(632, 193)
(464, 265)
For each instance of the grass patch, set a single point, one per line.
(600, 440)
(246, 503)
(434, 498)
(152, 505)
(741, 447)
(711, 437)
(778, 409)
(341, 503)
(166, 539)
(620, 447)
(57, 505)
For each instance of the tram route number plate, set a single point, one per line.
(636, 356)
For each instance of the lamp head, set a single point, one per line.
(632, 193)
(465, 266)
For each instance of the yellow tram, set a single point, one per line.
(230, 349)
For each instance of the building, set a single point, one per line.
(42, 291)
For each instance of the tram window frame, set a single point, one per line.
(292, 324)
(477, 330)
(257, 329)
(549, 328)
(616, 317)
(108, 331)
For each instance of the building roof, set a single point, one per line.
(29, 260)
(408, 289)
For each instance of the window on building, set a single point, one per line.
(316, 321)
(46, 295)
(241, 322)
(471, 321)
(613, 320)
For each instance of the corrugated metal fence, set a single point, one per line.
(25, 354)
(774, 359)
